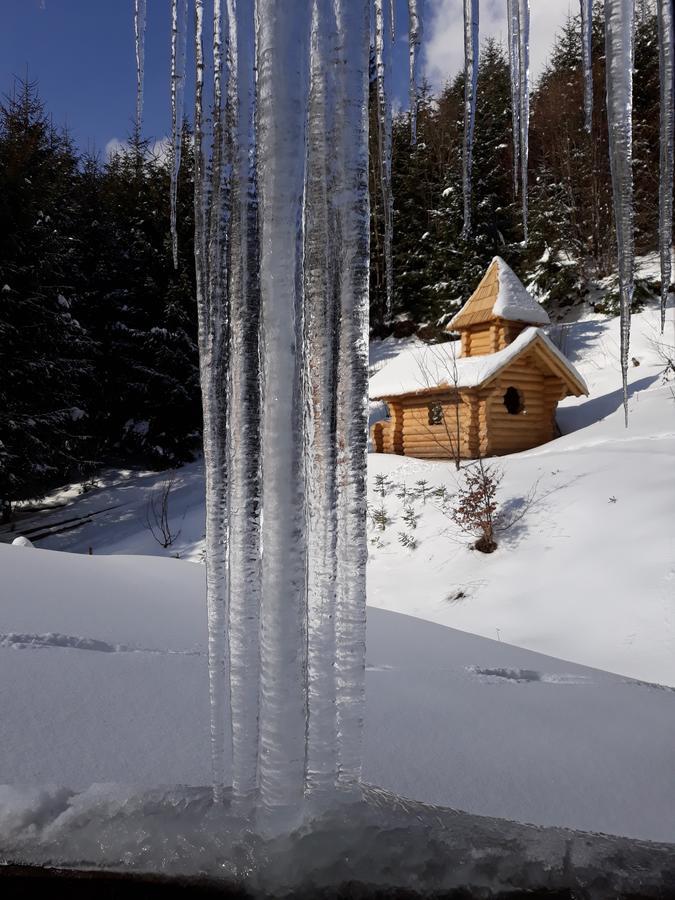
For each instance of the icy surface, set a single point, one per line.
(438, 365)
(667, 76)
(381, 841)
(619, 67)
(471, 51)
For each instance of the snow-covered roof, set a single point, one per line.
(434, 366)
(500, 294)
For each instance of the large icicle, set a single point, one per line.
(384, 153)
(619, 65)
(321, 282)
(178, 41)
(282, 64)
(667, 74)
(524, 114)
(139, 35)
(471, 43)
(245, 407)
(587, 59)
(414, 41)
(212, 323)
(514, 68)
(352, 410)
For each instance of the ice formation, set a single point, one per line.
(524, 99)
(244, 434)
(414, 40)
(514, 69)
(587, 59)
(619, 65)
(139, 35)
(281, 254)
(667, 74)
(179, 10)
(384, 150)
(471, 49)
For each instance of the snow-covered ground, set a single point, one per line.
(102, 657)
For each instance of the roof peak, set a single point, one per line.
(499, 295)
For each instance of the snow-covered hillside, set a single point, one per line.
(588, 575)
(102, 657)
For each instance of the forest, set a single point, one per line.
(98, 329)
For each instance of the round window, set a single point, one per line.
(513, 401)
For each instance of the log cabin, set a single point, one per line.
(493, 391)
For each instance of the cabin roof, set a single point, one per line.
(500, 295)
(435, 366)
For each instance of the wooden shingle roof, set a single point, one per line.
(500, 295)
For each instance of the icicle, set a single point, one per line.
(282, 62)
(245, 407)
(667, 74)
(619, 65)
(414, 41)
(321, 284)
(213, 372)
(384, 154)
(471, 31)
(352, 410)
(524, 114)
(178, 39)
(139, 34)
(514, 67)
(392, 20)
(587, 60)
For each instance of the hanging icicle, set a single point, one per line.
(471, 45)
(619, 65)
(524, 114)
(282, 49)
(321, 287)
(245, 407)
(414, 41)
(178, 42)
(212, 336)
(384, 154)
(139, 35)
(353, 18)
(667, 74)
(392, 20)
(587, 60)
(514, 69)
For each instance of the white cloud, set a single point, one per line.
(444, 42)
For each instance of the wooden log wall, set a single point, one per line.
(427, 441)
(534, 424)
(489, 337)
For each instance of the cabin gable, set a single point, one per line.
(498, 396)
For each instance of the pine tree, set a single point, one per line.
(47, 354)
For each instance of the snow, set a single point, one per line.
(421, 367)
(452, 719)
(489, 685)
(513, 302)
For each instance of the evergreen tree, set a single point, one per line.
(47, 355)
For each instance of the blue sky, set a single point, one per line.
(81, 53)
